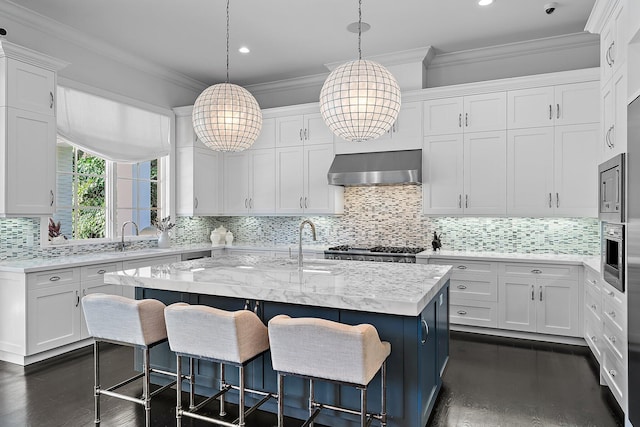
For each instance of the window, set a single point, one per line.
(96, 196)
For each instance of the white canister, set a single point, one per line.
(215, 238)
(228, 238)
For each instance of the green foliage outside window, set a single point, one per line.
(91, 195)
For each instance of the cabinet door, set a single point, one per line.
(557, 307)
(485, 112)
(31, 88)
(289, 180)
(442, 166)
(30, 170)
(618, 135)
(319, 196)
(208, 182)
(267, 137)
(428, 372)
(442, 329)
(289, 131)
(517, 304)
(606, 45)
(577, 103)
(236, 183)
(408, 126)
(442, 116)
(530, 171)
(53, 317)
(485, 173)
(530, 108)
(575, 177)
(262, 192)
(315, 130)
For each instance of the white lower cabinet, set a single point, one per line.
(540, 298)
(592, 310)
(614, 362)
(92, 280)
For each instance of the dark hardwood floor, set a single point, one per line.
(489, 382)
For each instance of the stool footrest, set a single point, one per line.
(121, 396)
(319, 406)
(312, 417)
(266, 397)
(163, 388)
(200, 405)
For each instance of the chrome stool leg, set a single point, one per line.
(241, 397)
(311, 399)
(179, 391)
(223, 383)
(383, 406)
(363, 407)
(192, 384)
(146, 389)
(96, 378)
(280, 400)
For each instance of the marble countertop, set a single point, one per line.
(591, 261)
(43, 264)
(388, 288)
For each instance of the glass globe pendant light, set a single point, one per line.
(226, 117)
(360, 100)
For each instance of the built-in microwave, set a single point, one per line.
(613, 256)
(611, 193)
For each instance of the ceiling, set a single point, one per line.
(295, 38)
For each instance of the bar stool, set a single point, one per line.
(124, 321)
(226, 337)
(318, 349)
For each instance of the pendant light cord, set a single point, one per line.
(227, 41)
(359, 29)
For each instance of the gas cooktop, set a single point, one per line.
(375, 253)
(379, 249)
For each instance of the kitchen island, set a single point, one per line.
(407, 303)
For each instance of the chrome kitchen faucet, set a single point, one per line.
(121, 246)
(313, 231)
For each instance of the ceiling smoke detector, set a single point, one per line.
(549, 8)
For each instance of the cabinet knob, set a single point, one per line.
(594, 338)
(610, 293)
(612, 339)
(101, 271)
(593, 306)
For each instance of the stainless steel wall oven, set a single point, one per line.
(613, 256)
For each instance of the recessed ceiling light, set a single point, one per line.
(485, 2)
(244, 49)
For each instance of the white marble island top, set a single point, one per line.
(388, 288)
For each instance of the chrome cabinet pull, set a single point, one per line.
(612, 52)
(51, 100)
(300, 134)
(549, 199)
(594, 307)
(460, 201)
(196, 203)
(246, 203)
(610, 293)
(462, 267)
(533, 292)
(305, 203)
(462, 287)
(251, 203)
(607, 56)
(466, 200)
(557, 111)
(77, 298)
(540, 293)
(462, 312)
(594, 338)
(536, 271)
(54, 278)
(557, 200)
(300, 202)
(425, 331)
(51, 198)
(460, 120)
(101, 271)
(466, 119)
(550, 112)
(306, 134)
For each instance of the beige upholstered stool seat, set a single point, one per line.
(124, 321)
(327, 350)
(227, 337)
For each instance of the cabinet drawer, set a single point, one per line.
(593, 335)
(541, 270)
(616, 341)
(474, 289)
(614, 375)
(53, 277)
(593, 303)
(614, 315)
(613, 300)
(464, 266)
(94, 272)
(473, 313)
(592, 280)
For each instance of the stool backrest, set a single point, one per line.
(324, 349)
(231, 336)
(116, 318)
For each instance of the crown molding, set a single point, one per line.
(394, 58)
(314, 80)
(14, 51)
(599, 15)
(515, 50)
(54, 28)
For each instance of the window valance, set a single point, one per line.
(111, 129)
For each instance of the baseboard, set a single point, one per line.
(520, 335)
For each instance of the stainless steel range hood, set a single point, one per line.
(383, 168)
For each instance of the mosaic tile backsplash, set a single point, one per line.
(390, 215)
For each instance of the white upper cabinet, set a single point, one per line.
(28, 140)
(465, 174)
(474, 113)
(267, 137)
(553, 105)
(302, 129)
(613, 137)
(249, 182)
(405, 134)
(613, 43)
(199, 178)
